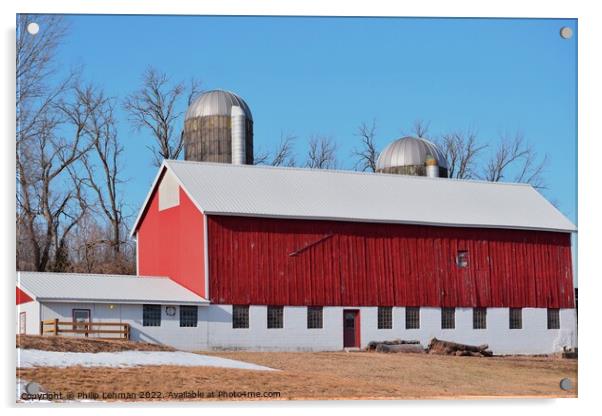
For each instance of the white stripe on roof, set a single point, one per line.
(276, 192)
(104, 288)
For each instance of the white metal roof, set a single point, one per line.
(261, 191)
(104, 288)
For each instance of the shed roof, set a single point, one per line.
(104, 288)
(277, 192)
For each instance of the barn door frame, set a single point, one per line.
(356, 325)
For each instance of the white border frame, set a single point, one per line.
(590, 131)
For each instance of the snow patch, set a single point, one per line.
(27, 358)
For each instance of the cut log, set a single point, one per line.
(372, 345)
(437, 346)
(404, 348)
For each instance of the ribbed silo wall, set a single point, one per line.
(209, 139)
(413, 170)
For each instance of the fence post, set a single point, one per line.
(127, 331)
(56, 326)
(41, 327)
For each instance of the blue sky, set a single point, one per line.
(325, 76)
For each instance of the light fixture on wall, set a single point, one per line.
(170, 310)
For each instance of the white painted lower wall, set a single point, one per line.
(533, 338)
(214, 330)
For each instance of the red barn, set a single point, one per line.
(330, 259)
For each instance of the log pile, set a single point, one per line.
(396, 345)
(441, 347)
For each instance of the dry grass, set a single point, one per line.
(73, 344)
(332, 375)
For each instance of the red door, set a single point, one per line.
(351, 328)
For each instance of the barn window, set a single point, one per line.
(479, 318)
(314, 317)
(412, 318)
(553, 318)
(448, 318)
(275, 317)
(462, 259)
(385, 317)
(188, 316)
(151, 315)
(516, 318)
(240, 316)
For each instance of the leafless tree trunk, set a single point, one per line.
(49, 198)
(282, 156)
(102, 169)
(321, 153)
(154, 107)
(48, 195)
(462, 152)
(367, 154)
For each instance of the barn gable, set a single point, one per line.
(170, 235)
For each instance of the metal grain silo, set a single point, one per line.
(217, 123)
(412, 156)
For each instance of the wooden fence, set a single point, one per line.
(115, 330)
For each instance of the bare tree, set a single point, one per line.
(102, 167)
(513, 156)
(421, 128)
(283, 155)
(49, 195)
(321, 153)
(462, 151)
(34, 66)
(367, 154)
(155, 107)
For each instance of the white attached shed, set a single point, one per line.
(153, 309)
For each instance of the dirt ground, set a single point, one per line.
(319, 376)
(73, 344)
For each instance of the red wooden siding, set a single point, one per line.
(171, 243)
(360, 264)
(22, 297)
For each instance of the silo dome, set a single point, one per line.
(217, 103)
(217, 124)
(409, 156)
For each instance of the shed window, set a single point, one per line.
(448, 318)
(275, 317)
(81, 320)
(151, 315)
(314, 317)
(553, 318)
(412, 318)
(240, 316)
(189, 315)
(516, 318)
(479, 318)
(385, 317)
(462, 259)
